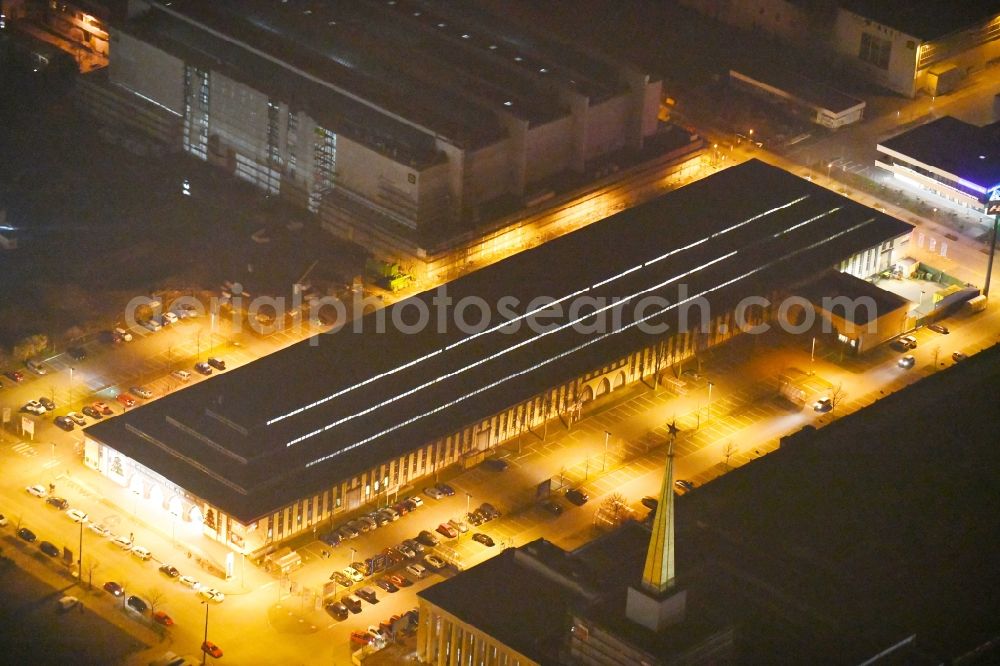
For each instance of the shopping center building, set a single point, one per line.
(282, 445)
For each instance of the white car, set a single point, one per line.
(37, 491)
(169, 318)
(3, 520)
(142, 553)
(36, 367)
(99, 529)
(416, 570)
(34, 407)
(187, 581)
(435, 561)
(124, 333)
(182, 375)
(76, 515)
(434, 493)
(353, 574)
(212, 594)
(152, 325)
(416, 500)
(122, 542)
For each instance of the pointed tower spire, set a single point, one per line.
(658, 573)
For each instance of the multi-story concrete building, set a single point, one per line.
(284, 444)
(400, 124)
(908, 46)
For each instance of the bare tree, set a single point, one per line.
(728, 451)
(91, 565)
(937, 353)
(154, 596)
(837, 394)
(614, 509)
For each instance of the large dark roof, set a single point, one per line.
(449, 68)
(833, 283)
(292, 423)
(926, 19)
(968, 151)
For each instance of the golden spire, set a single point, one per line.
(658, 573)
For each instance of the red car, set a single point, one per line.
(447, 530)
(15, 375)
(211, 648)
(126, 400)
(166, 621)
(361, 637)
(102, 408)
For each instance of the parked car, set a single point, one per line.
(169, 571)
(476, 518)
(203, 368)
(340, 578)
(490, 511)
(36, 367)
(34, 407)
(337, 610)
(459, 525)
(99, 529)
(685, 485)
(446, 489)
(122, 542)
(92, 413)
(58, 502)
(76, 515)
(162, 618)
(407, 551)
(103, 408)
(435, 561)
(416, 570)
(434, 492)
(137, 604)
(65, 423)
(152, 325)
(49, 549)
(824, 404)
(67, 602)
(3, 520)
(114, 588)
(142, 392)
(415, 501)
(126, 400)
(387, 585)
(368, 594)
(141, 552)
(77, 418)
(909, 341)
(577, 496)
(360, 638)
(211, 649)
(15, 376)
(484, 539)
(212, 594)
(939, 328)
(907, 361)
(26, 534)
(37, 491)
(124, 334)
(330, 538)
(169, 318)
(182, 375)
(402, 508)
(188, 581)
(353, 574)
(496, 465)
(958, 357)
(77, 353)
(399, 580)
(217, 363)
(447, 530)
(427, 539)
(353, 604)
(380, 519)
(47, 403)
(414, 544)
(552, 507)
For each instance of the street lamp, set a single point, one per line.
(604, 464)
(203, 653)
(468, 503)
(710, 385)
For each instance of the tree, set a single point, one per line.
(90, 565)
(937, 353)
(837, 394)
(728, 451)
(614, 509)
(154, 596)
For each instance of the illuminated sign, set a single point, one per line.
(993, 203)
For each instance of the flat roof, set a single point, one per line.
(925, 19)
(962, 149)
(450, 68)
(261, 436)
(812, 93)
(834, 284)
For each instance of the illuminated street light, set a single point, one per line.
(710, 385)
(203, 653)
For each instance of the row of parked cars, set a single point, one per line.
(352, 529)
(379, 635)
